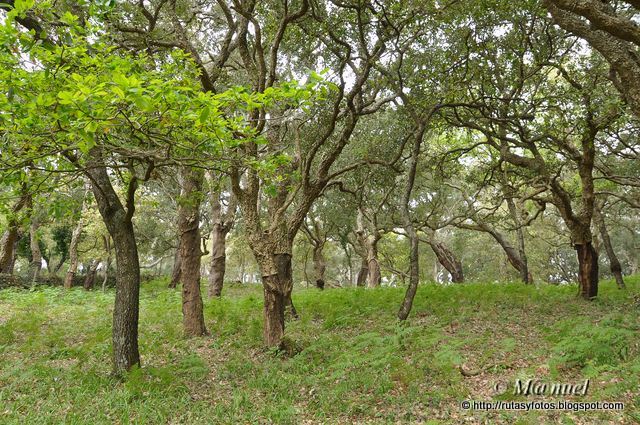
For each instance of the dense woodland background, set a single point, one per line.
(317, 144)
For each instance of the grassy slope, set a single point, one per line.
(357, 365)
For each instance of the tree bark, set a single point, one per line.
(274, 308)
(286, 275)
(126, 308)
(190, 253)
(520, 261)
(63, 259)
(414, 254)
(347, 257)
(177, 267)
(73, 255)
(368, 239)
(277, 281)
(222, 224)
(614, 263)
(319, 265)
(218, 264)
(374, 277)
(11, 236)
(90, 278)
(75, 241)
(448, 260)
(361, 279)
(318, 238)
(106, 241)
(517, 258)
(8, 244)
(587, 270)
(118, 221)
(36, 254)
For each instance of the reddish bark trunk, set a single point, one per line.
(285, 277)
(274, 307)
(587, 270)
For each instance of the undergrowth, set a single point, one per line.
(355, 362)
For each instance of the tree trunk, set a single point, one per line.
(414, 253)
(277, 281)
(56, 269)
(118, 221)
(177, 267)
(361, 279)
(106, 240)
(9, 241)
(222, 224)
(36, 255)
(349, 277)
(614, 263)
(274, 308)
(8, 247)
(190, 253)
(319, 265)
(218, 261)
(525, 274)
(448, 260)
(90, 278)
(374, 277)
(290, 308)
(126, 307)
(587, 270)
(517, 258)
(75, 241)
(73, 255)
(414, 275)
(285, 276)
(521, 262)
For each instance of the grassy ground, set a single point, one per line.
(357, 364)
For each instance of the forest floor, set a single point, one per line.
(357, 363)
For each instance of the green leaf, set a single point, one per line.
(118, 91)
(65, 98)
(204, 114)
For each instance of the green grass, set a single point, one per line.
(357, 363)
